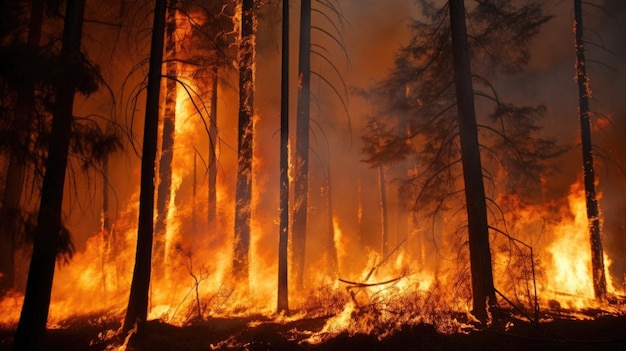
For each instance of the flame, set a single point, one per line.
(570, 272)
(373, 294)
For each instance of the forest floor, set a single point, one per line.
(587, 330)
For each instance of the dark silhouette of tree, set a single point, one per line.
(167, 139)
(137, 311)
(49, 232)
(245, 134)
(483, 291)
(10, 213)
(593, 215)
(301, 158)
(212, 212)
(331, 14)
(283, 235)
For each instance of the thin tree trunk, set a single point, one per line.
(106, 221)
(167, 142)
(32, 325)
(16, 169)
(194, 193)
(105, 224)
(332, 249)
(383, 212)
(283, 236)
(137, 311)
(483, 290)
(213, 151)
(301, 182)
(597, 255)
(245, 144)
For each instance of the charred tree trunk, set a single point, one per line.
(167, 141)
(301, 182)
(10, 214)
(213, 150)
(137, 311)
(106, 221)
(483, 290)
(32, 325)
(245, 144)
(383, 212)
(283, 235)
(593, 216)
(105, 225)
(332, 248)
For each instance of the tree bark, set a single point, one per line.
(301, 181)
(483, 290)
(593, 215)
(283, 235)
(245, 144)
(32, 325)
(212, 215)
(332, 248)
(384, 218)
(167, 141)
(137, 311)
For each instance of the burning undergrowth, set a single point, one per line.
(537, 284)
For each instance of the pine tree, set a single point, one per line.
(137, 311)
(427, 102)
(301, 162)
(47, 237)
(483, 291)
(167, 140)
(243, 206)
(283, 235)
(593, 215)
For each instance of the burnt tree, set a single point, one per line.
(593, 215)
(167, 140)
(47, 236)
(483, 291)
(301, 164)
(283, 235)
(137, 311)
(243, 197)
(212, 211)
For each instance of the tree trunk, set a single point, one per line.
(597, 255)
(283, 235)
(167, 142)
(11, 215)
(137, 311)
(332, 248)
(483, 290)
(245, 144)
(213, 151)
(383, 212)
(301, 182)
(32, 325)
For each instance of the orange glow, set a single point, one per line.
(425, 279)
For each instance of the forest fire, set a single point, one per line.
(571, 265)
(386, 242)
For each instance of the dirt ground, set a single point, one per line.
(601, 331)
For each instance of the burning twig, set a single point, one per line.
(366, 285)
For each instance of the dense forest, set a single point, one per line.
(310, 170)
